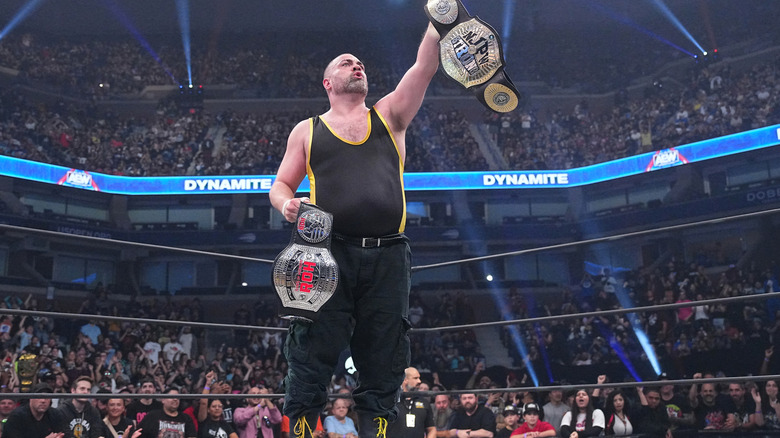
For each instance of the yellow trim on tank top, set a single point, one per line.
(402, 225)
(309, 171)
(354, 143)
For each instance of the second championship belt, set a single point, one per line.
(26, 367)
(471, 54)
(305, 274)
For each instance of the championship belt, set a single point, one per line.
(471, 54)
(26, 367)
(305, 274)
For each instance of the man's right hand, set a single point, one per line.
(291, 207)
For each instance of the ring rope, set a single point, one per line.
(413, 330)
(598, 239)
(71, 316)
(130, 243)
(601, 313)
(418, 267)
(567, 387)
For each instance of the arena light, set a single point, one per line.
(673, 19)
(499, 297)
(125, 21)
(183, 8)
(609, 335)
(631, 23)
(625, 300)
(509, 15)
(23, 13)
(531, 306)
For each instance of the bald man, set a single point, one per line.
(415, 417)
(354, 156)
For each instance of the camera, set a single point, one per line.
(266, 421)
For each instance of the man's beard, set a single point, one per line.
(355, 86)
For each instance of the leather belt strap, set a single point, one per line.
(372, 242)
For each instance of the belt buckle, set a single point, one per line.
(368, 242)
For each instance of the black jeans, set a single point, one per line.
(369, 313)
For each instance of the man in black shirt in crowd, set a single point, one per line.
(35, 419)
(653, 419)
(415, 417)
(7, 405)
(80, 418)
(677, 406)
(472, 420)
(712, 411)
(168, 422)
(744, 408)
(137, 409)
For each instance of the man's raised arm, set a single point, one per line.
(400, 106)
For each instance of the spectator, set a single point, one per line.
(168, 421)
(117, 424)
(260, 412)
(186, 339)
(214, 425)
(139, 408)
(748, 409)
(555, 409)
(80, 418)
(677, 406)
(92, 330)
(653, 419)
(618, 415)
(338, 424)
(152, 350)
(771, 406)
(212, 386)
(472, 420)
(101, 404)
(7, 405)
(511, 421)
(35, 419)
(172, 349)
(442, 415)
(582, 420)
(533, 427)
(711, 410)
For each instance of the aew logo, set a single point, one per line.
(78, 178)
(666, 158)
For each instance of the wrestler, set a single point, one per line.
(354, 158)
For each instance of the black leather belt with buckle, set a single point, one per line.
(372, 242)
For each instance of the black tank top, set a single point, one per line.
(360, 183)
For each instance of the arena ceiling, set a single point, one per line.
(160, 16)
